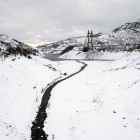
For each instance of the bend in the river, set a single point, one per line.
(37, 132)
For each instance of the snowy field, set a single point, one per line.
(91, 55)
(22, 84)
(100, 103)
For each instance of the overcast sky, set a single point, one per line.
(42, 21)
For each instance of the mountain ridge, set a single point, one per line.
(9, 46)
(124, 34)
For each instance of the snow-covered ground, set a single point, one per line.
(100, 103)
(22, 84)
(91, 55)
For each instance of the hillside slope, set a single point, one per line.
(22, 85)
(9, 46)
(60, 46)
(128, 33)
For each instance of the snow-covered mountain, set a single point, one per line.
(10, 46)
(62, 45)
(128, 33)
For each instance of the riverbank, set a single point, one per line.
(102, 102)
(22, 84)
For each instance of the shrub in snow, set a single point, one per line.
(85, 49)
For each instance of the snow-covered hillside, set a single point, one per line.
(22, 81)
(60, 46)
(22, 85)
(125, 36)
(9, 46)
(128, 33)
(92, 55)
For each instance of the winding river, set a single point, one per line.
(37, 132)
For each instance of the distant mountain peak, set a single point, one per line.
(133, 25)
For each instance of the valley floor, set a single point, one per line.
(102, 102)
(22, 85)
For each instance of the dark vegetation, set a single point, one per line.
(19, 49)
(85, 49)
(127, 48)
(69, 48)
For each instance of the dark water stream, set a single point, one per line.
(37, 132)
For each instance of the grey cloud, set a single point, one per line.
(52, 20)
(138, 20)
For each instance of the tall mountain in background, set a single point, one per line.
(60, 46)
(127, 33)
